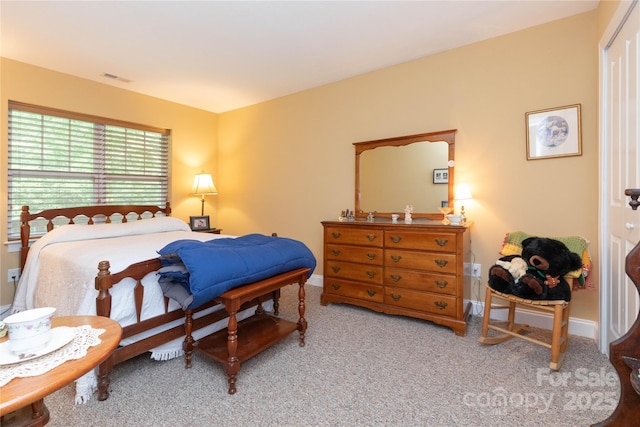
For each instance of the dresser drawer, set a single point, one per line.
(430, 261)
(409, 269)
(443, 242)
(353, 236)
(366, 292)
(361, 254)
(357, 272)
(422, 301)
(421, 281)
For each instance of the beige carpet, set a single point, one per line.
(360, 368)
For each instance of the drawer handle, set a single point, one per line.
(396, 258)
(371, 274)
(336, 235)
(335, 286)
(441, 262)
(335, 252)
(396, 277)
(442, 242)
(371, 256)
(441, 305)
(395, 297)
(441, 284)
(395, 239)
(371, 293)
(371, 237)
(335, 268)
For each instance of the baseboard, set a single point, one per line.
(315, 280)
(4, 311)
(538, 319)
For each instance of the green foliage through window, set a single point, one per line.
(60, 159)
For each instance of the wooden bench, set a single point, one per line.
(242, 340)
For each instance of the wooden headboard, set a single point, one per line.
(71, 213)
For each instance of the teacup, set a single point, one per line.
(29, 330)
(454, 219)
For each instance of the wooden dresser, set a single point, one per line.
(413, 269)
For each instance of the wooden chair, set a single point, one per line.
(559, 333)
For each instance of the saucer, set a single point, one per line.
(60, 337)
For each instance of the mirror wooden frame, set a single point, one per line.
(448, 136)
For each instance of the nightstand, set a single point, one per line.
(210, 230)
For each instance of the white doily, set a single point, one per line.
(85, 337)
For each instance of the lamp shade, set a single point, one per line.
(203, 184)
(463, 192)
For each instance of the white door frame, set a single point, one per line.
(618, 19)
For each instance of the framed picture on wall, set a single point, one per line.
(199, 222)
(554, 132)
(441, 176)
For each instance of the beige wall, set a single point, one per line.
(193, 144)
(606, 11)
(288, 164)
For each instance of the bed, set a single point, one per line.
(104, 260)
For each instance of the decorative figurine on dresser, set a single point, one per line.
(413, 267)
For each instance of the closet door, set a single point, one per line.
(620, 167)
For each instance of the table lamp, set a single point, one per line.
(203, 186)
(462, 193)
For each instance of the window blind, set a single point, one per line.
(62, 159)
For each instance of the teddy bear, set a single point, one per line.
(506, 271)
(547, 261)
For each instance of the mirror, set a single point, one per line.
(414, 169)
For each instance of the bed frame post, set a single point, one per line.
(232, 366)
(302, 322)
(187, 344)
(25, 232)
(103, 284)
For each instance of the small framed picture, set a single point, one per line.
(554, 132)
(199, 222)
(441, 176)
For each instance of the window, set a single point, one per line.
(61, 159)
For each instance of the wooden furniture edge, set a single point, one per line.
(111, 339)
(272, 329)
(73, 212)
(627, 347)
(104, 281)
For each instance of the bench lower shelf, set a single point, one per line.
(255, 334)
(242, 340)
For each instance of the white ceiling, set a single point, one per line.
(220, 56)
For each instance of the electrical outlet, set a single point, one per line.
(476, 270)
(13, 274)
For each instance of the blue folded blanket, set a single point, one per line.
(215, 266)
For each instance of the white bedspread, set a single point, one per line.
(62, 265)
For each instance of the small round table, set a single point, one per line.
(28, 393)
